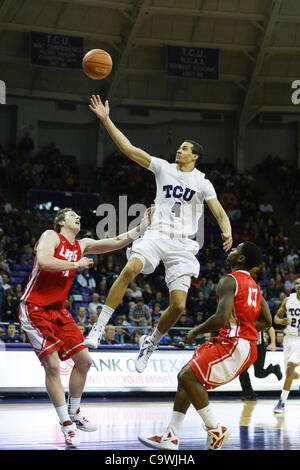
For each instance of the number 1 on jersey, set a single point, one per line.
(177, 209)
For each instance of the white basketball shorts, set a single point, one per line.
(177, 255)
(291, 349)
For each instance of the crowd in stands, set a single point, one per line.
(252, 219)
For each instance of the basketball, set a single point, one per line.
(97, 64)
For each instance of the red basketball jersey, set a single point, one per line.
(246, 310)
(51, 288)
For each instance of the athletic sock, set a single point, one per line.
(62, 412)
(105, 314)
(176, 421)
(284, 395)
(156, 336)
(73, 405)
(208, 417)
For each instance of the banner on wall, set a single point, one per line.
(193, 62)
(114, 371)
(56, 50)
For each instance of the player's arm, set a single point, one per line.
(223, 220)
(96, 247)
(134, 153)
(225, 290)
(45, 255)
(281, 312)
(272, 334)
(264, 320)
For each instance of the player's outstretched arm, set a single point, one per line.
(223, 220)
(226, 290)
(45, 255)
(96, 247)
(134, 153)
(264, 320)
(278, 318)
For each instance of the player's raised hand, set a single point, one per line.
(227, 241)
(86, 262)
(101, 110)
(147, 217)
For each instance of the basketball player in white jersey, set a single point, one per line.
(289, 316)
(181, 192)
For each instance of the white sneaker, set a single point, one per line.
(166, 441)
(146, 349)
(83, 423)
(217, 437)
(71, 434)
(94, 337)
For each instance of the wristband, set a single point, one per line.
(76, 265)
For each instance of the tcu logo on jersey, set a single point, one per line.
(68, 254)
(179, 192)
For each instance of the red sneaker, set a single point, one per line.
(217, 437)
(168, 440)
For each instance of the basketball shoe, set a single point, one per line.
(94, 337)
(83, 423)
(69, 430)
(280, 407)
(146, 349)
(217, 437)
(166, 441)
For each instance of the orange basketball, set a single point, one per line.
(97, 64)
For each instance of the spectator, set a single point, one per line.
(137, 334)
(82, 328)
(109, 335)
(6, 282)
(122, 334)
(290, 283)
(291, 257)
(139, 314)
(9, 309)
(86, 280)
(94, 303)
(272, 290)
(136, 291)
(147, 293)
(11, 336)
(159, 299)
(156, 312)
(82, 316)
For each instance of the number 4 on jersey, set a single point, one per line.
(252, 296)
(176, 208)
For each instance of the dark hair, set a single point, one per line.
(252, 254)
(196, 149)
(60, 216)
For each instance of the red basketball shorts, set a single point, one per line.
(222, 360)
(49, 329)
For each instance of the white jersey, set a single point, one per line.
(179, 199)
(293, 314)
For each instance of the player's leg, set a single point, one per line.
(116, 293)
(56, 394)
(248, 392)
(82, 363)
(289, 377)
(169, 318)
(259, 370)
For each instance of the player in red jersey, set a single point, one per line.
(241, 313)
(48, 326)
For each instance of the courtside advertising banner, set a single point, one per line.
(114, 371)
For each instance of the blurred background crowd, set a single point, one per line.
(252, 214)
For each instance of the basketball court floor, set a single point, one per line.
(31, 424)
